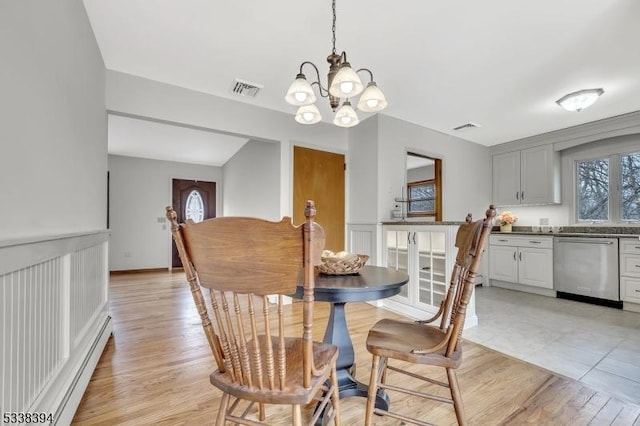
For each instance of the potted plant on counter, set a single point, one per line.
(506, 220)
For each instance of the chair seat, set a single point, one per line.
(324, 355)
(396, 339)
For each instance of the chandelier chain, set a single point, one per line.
(333, 27)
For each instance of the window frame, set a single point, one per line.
(437, 178)
(614, 187)
(422, 213)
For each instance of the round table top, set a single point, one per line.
(371, 283)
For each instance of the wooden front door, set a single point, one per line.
(192, 199)
(319, 176)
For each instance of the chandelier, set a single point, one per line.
(343, 83)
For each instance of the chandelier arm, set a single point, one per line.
(367, 70)
(323, 92)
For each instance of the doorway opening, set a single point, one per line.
(424, 186)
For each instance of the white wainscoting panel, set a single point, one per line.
(361, 239)
(53, 321)
(31, 332)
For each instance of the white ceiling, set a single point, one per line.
(158, 141)
(501, 64)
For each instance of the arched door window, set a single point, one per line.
(194, 207)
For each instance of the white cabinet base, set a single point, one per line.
(631, 307)
(427, 254)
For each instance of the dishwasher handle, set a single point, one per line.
(567, 240)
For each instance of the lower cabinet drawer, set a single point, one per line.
(630, 289)
(630, 265)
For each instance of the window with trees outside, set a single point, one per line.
(422, 197)
(608, 189)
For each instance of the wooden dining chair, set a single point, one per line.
(419, 342)
(246, 264)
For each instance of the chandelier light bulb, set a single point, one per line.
(300, 92)
(346, 83)
(346, 87)
(346, 116)
(372, 99)
(308, 114)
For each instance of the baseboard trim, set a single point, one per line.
(143, 271)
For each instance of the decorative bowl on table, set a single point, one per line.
(341, 263)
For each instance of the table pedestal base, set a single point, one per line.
(348, 386)
(337, 333)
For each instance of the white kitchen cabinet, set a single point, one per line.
(529, 176)
(630, 272)
(521, 260)
(503, 263)
(427, 254)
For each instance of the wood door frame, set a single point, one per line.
(437, 170)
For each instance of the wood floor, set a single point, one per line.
(155, 371)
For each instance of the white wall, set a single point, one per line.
(362, 172)
(466, 168)
(136, 96)
(420, 173)
(140, 190)
(251, 185)
(53, 124)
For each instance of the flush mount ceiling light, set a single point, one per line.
(342, 83)
(577, 101)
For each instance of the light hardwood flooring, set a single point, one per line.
(155, 370)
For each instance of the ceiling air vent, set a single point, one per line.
(468, 125)
(245, 88)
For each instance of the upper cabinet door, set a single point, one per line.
(506, 178)
(539, 175)
(527, 177)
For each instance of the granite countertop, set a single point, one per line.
(420, 222)
(576, 231)
(555, 231)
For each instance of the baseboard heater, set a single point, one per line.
(69, 404)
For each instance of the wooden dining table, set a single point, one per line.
(370, 283)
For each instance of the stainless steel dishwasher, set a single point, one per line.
(586, 269)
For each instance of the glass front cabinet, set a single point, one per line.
(427, 254)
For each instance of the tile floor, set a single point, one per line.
(597, 345)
